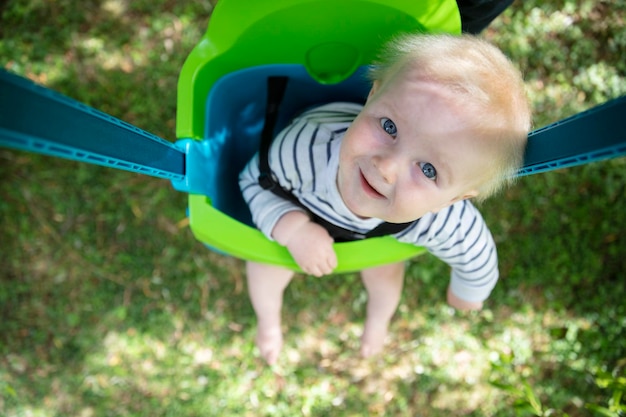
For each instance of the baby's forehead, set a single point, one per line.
(410, 80)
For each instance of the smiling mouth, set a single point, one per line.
(369, 190)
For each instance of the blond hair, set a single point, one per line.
(486, 83)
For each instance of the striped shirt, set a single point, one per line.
(304, 159)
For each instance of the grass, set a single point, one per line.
(110, 307)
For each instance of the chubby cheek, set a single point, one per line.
(408, 211)
(349, 154)
(359, 136)
(344, 164)
(343, 180)
(414, 202)
(346, 150)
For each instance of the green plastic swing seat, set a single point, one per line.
(323, 47)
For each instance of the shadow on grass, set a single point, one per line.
(110, 307)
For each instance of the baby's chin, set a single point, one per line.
(385, 217)
(411, 217)
(358, 213)
(364, 213)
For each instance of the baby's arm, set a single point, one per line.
(459, 236)
(288, 224)
(474, 262)
(309, 244)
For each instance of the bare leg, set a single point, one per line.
(266, 284)
(384, 287)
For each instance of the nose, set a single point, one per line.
(387, 166)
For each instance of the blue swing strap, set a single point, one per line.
(37, 119)
(593, 135)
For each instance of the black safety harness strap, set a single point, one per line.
(276, 87)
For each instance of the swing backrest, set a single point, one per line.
(323, 46)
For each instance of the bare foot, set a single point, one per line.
(373, 338)
(270, 342)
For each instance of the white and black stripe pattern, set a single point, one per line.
(304, 160)
(459, 236)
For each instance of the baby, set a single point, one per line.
(446, 121)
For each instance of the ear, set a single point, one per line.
(374, 89)
(465, 196)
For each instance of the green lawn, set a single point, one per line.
(110, 307)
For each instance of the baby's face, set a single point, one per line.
(409, 152)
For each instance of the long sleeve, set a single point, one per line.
(300, 161)
(265, 206)
(459, 236)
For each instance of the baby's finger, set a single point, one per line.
(332, 261)
(327, 267)
(313, 270)
(319, 269)
(318, 272)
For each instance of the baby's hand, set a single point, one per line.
(463, 305)
(309, 244)
(312, 249)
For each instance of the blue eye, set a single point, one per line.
(388, 126)
(429, 170)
